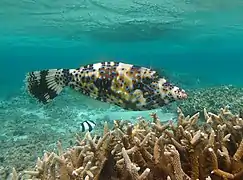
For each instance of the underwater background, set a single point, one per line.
(197, 44)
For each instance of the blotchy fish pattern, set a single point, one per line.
(128, 86)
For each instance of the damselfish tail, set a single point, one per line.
(45, 85)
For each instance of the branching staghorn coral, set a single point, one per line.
(184, 150)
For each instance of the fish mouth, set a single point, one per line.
(183, 95)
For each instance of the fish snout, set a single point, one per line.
(183, 94)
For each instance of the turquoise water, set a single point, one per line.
(199, 44)
(217, 64)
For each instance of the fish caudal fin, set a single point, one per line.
(45, 85)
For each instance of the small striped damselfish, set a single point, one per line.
(87, 125)
(128, 86)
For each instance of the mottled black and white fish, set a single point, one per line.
(87, 125)
(128, 86)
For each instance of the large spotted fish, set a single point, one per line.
(128, 86)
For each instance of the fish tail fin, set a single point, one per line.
(45, 85)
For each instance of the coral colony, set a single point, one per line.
(187, 149)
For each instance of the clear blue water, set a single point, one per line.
(197, 43)
(211, 63)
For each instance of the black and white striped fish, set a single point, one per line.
(128, 86)
(87, 125)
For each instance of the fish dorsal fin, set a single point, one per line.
(137, 73)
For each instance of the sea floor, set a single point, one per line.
(29, 128)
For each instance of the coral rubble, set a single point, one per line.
(212, 98)
(184, 150)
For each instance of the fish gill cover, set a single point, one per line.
(197, 45)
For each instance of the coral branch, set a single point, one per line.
(239, 153)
